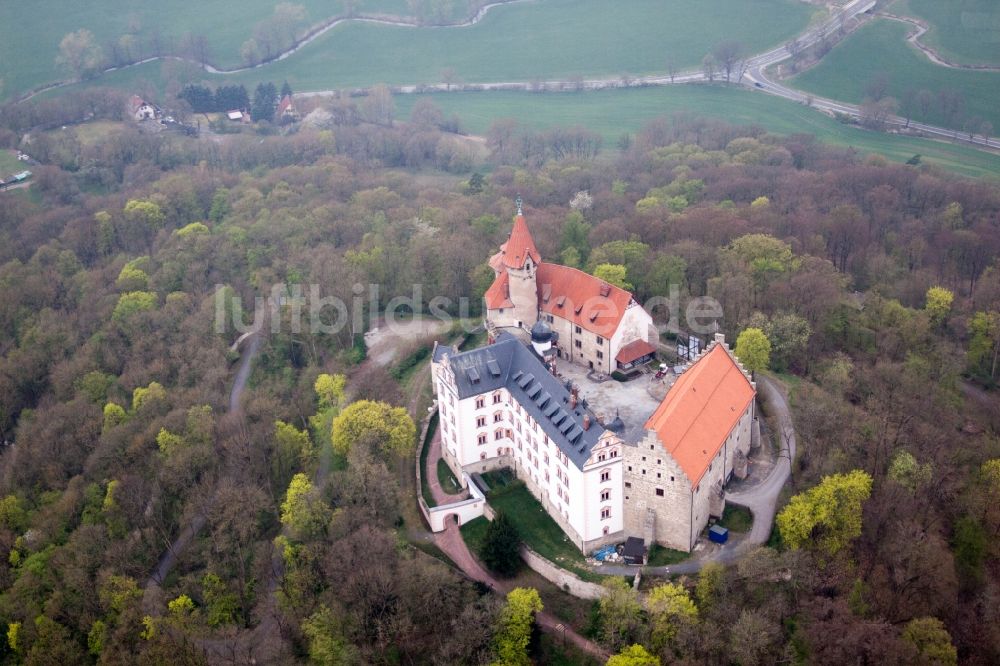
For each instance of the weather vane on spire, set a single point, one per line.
(519, 203)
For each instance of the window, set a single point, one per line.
(497, 417)
(605, 495)
(578, 344)
(497, 398)
(578, 331)
(614, 453)
(658, 461)
(600, 340)
(480, 402)
(628, 484)
(482, 438)
(605, 513)
(659, 492)
(671, 478)
(658, 475)
(480, 421)
(605, 476)
(600, 354)
(606, 531)
(498, 435)
(602, 457)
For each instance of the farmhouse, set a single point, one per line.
(140, 109)
(594, 324)
(658, 480)
(286, 111)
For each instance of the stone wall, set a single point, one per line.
(649, 468)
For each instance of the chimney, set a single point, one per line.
(586, 421)
(572, 400)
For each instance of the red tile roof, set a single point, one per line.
(583, 299)
(519, 246)
(634, 350)
(498, 295)
(285, 105)
(700, 410)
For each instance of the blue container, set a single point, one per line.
(718, 534)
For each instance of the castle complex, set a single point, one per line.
(660, 477)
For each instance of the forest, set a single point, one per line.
(877, 285)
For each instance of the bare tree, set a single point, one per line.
(709, 67)
(727, 55)
(671, 70)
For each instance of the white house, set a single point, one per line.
(500, 406)
(140, 109)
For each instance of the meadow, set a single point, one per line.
(963, 31)
(881, 48)
(614, 112)
(30, 32)
(9, 164)
(540, 39)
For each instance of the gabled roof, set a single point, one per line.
(498, 295)
(285, 105)
(583, 299)
(517, 368)
(519, 246)
(635, 350)
(701, 409)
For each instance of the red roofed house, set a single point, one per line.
(286, 112)
(598, 325)
(140, 109)
(695, 441)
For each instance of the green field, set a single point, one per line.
(881, 47)
(963, 31)
(613, 112)
(534, 40)
(9, 164)
(30, 31)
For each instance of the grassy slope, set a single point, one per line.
(543, 39)
(549, 39)
(9, 164)
(612, 112)
(966, 31)
(880, 47)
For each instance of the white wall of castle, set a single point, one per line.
(523, 294)
(482, 430)
(636, 324)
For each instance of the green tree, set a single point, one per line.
(907, 472)
(132, 278)
(939, 302)
(633, 655)
(132, 303)
(12, 514)
(932, 640)
(501, 549)
(303, 510)
(620, 612)
(330, 390)
(612, 274)
(149, 395)
(292, 450)
(984, 348)
(265, 98)
(514, 630)
(389, 428)
(221, 604)
(709, 584)
(826, 517)
(670, 608)
(328, 645)
(575, 233)
(753, 349)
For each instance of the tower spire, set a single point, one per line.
(519, 205)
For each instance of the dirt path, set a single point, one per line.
(932, 55)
